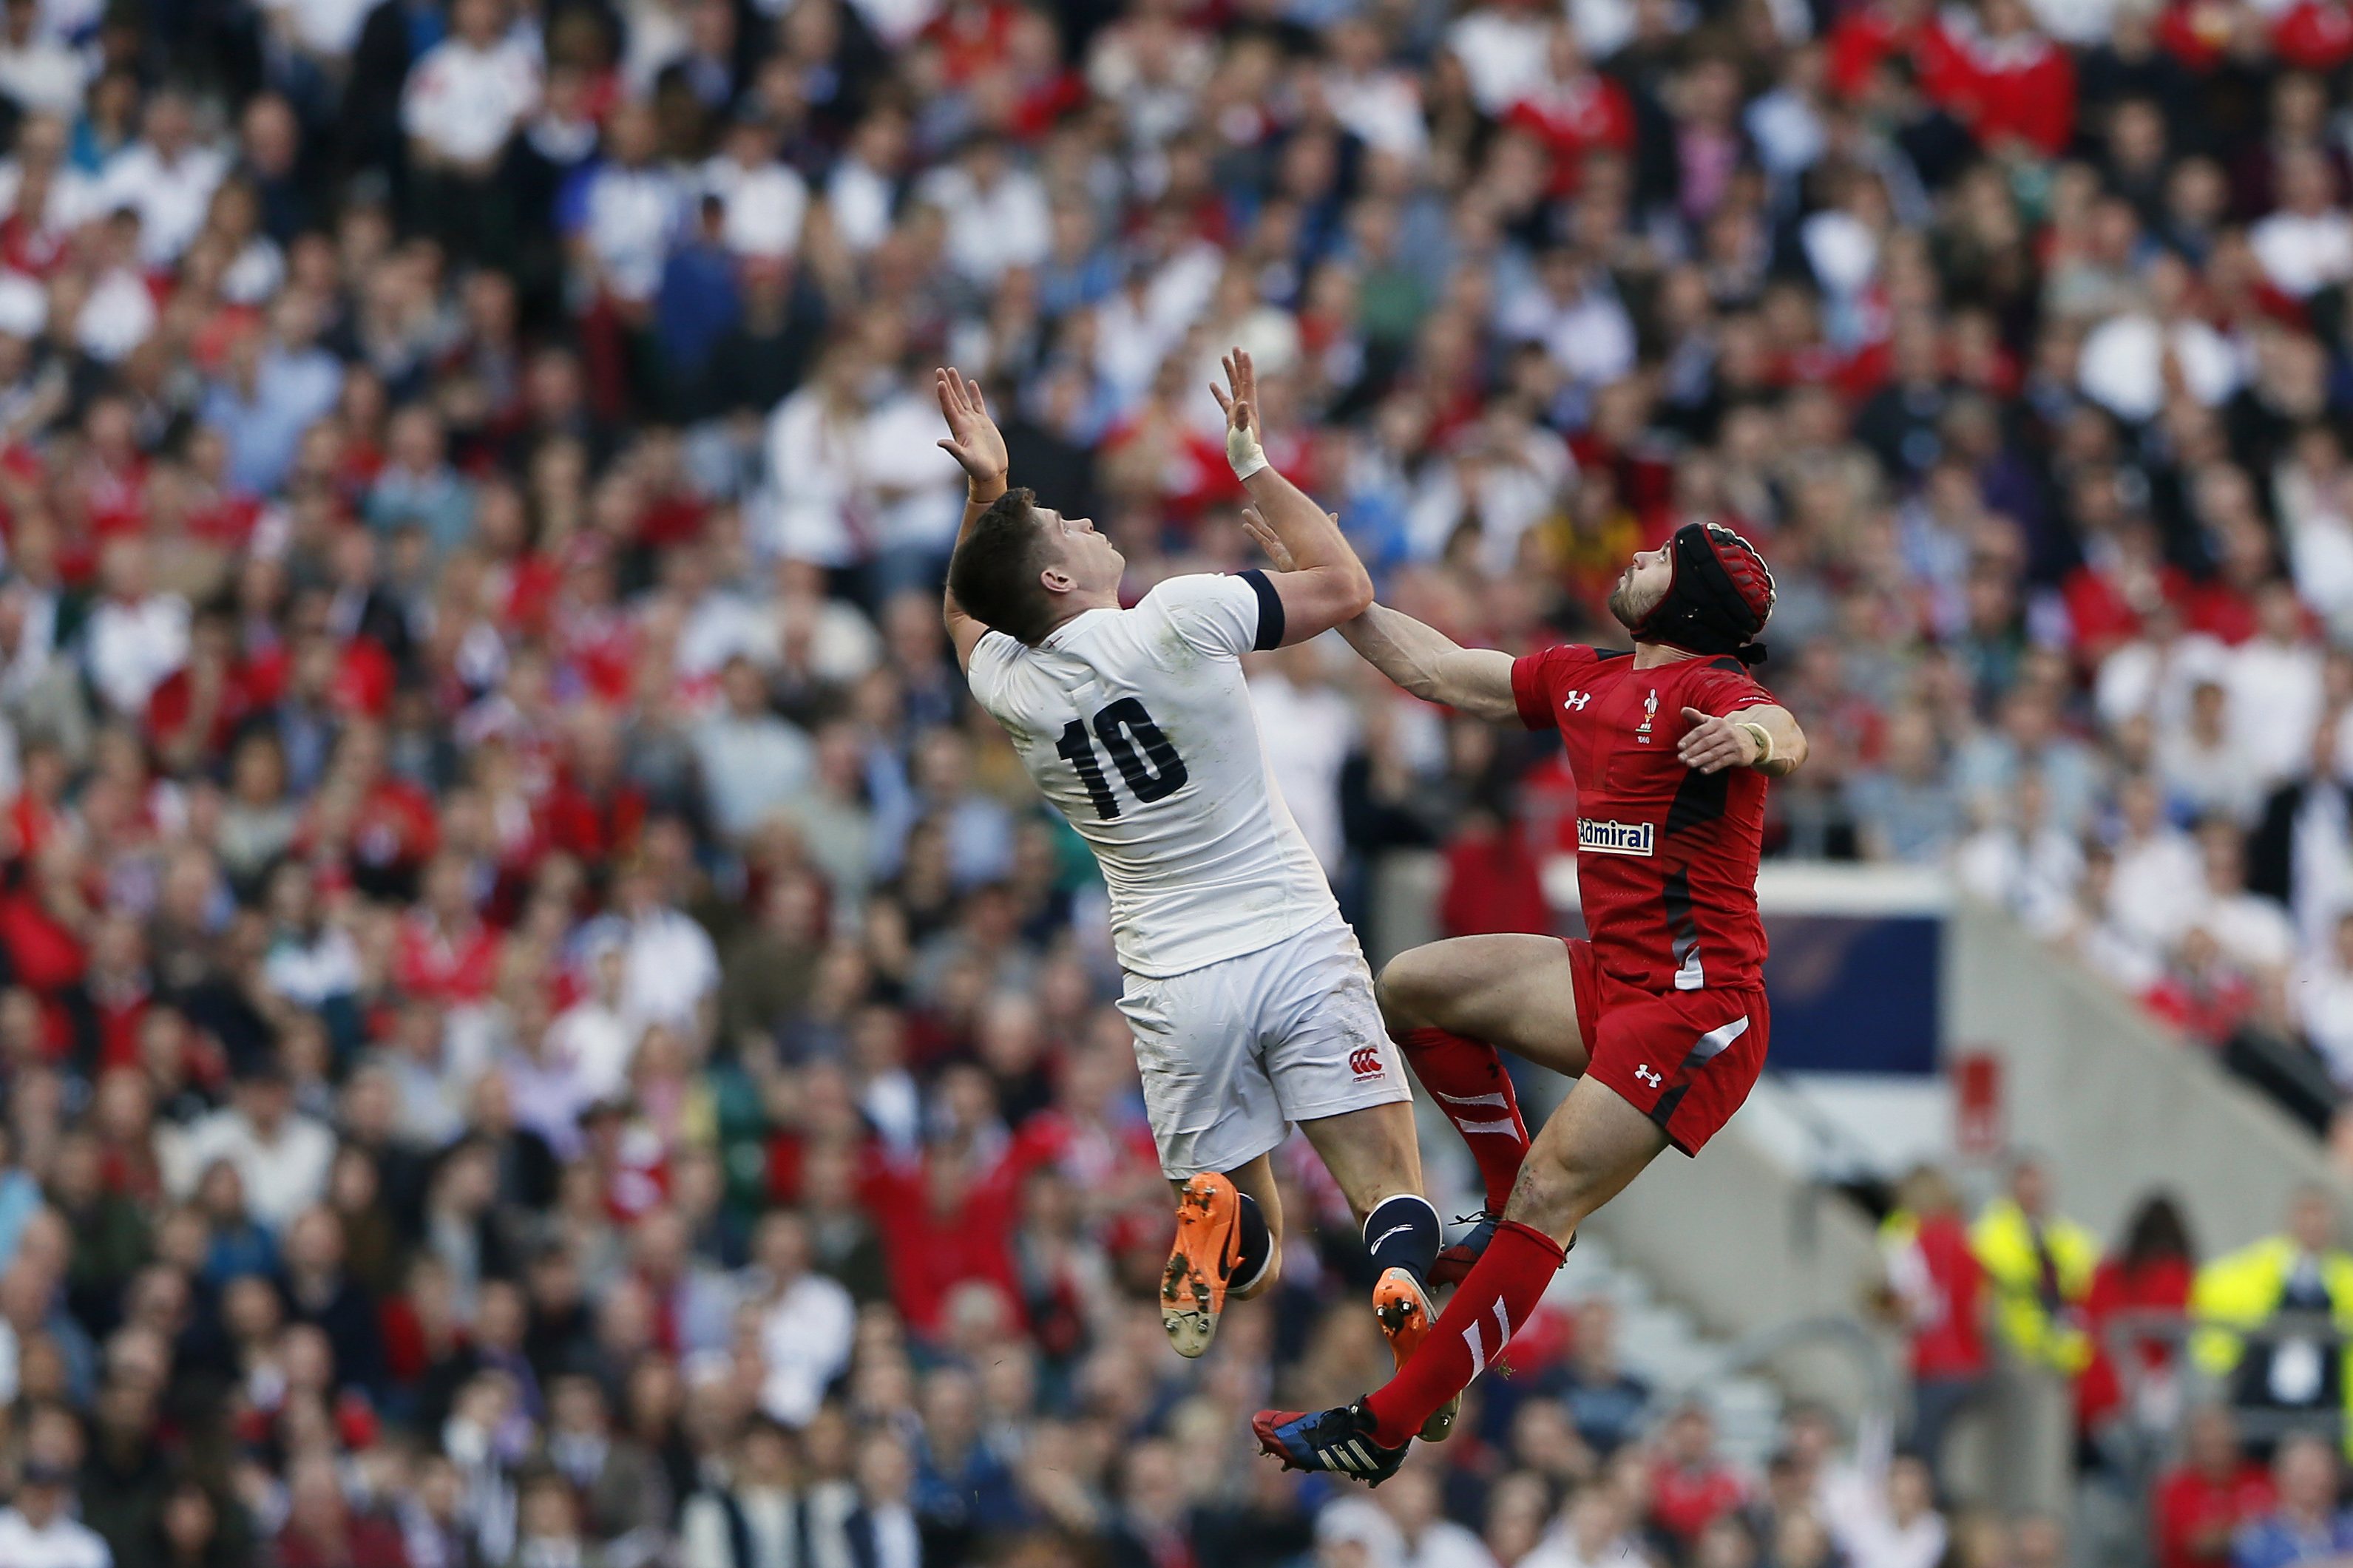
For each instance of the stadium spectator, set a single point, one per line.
(2303, 1274)
(2307, 1525)
(2149, 1277)
(2201, 1505)
(1939, 1290)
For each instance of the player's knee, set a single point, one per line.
(1412, 990)
(1549, 1196)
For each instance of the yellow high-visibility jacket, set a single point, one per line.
(2004, 1244)
(2241, 1290)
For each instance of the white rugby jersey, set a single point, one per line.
(1136, 725)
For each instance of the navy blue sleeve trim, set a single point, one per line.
(1270, 611)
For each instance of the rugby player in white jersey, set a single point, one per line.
(1251, 1005)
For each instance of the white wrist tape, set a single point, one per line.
(1243, 451)
(1764, 739)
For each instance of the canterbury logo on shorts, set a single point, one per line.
(1613, 838)
(1364, 1061)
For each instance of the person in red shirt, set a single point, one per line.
(943, 1220)
(1869, 35)
(2152, 1276)
(1661, 1016)
(2199, 1505)
(445, 951)
(1940, 1293)
(1574, 111)
(2008, 84)
(1690, 1485)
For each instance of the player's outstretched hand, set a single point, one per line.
(1278, 553)
(1244, 447)
(1713, 743)
(973, 440)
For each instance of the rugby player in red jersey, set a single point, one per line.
(1661, 1016)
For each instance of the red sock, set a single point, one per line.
(1494, 1300)
(1468, 1080)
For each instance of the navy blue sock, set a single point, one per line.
(1258, 1246)
(1403, 1232)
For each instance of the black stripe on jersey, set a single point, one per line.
(1669, 1103)
(1733, 664)
(1613, 653)
(1682, 929)
(1699, 800)
(1270, 610)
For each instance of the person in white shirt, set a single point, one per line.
(2254, 931)
(863, 187)
(1381, 107)
(2201, 765)
(2023, 862)
(1310, 728)
(1503, 48)
(593, 1034)
(38, 1531)
(2306, 244)
(1904, 1531)
(765, 198)
(37, 70)
(2274, 679)
(466, 94)
(2321, 997)
(754, 760)
(2160, 884)
(882, 1532)
(762, 1496)
(282, 1157)
(2122, 365)
(167, 178)
(670, 970)
(1250, 1002)
(997, 211)
(633, 209)
(135, 638)
(1591, 1533)
(806, 1321)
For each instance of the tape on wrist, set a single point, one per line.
(1764, 739)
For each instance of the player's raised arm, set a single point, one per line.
(1765, 736)
(975, 443)
(1323, 583)
(1419, 658)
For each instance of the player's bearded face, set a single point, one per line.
(1641, 586)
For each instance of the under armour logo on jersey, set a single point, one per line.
(1576, 701)
(1364, 1061)
(1649, 1076)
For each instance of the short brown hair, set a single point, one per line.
(993, 572)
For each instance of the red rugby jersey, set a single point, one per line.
(1666, 861)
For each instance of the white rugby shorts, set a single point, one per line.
(1234, 1052)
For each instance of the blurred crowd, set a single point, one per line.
(540, 1029)
(2206, 1398)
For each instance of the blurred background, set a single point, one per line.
(538, 1026)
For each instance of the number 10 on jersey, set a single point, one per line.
(1153, 774)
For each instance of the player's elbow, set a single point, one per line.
(1355, 591)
